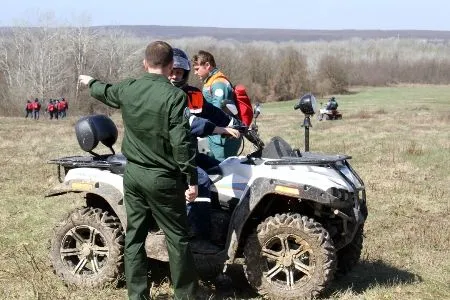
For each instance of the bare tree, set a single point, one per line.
(332, 69)
(81, 41)
(291, 76)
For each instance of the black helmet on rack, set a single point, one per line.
(181, 61)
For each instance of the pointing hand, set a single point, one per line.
(84, 79)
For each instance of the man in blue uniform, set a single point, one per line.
(205, 119)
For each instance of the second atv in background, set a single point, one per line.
(329, 111)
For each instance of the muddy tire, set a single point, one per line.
(87, 248)
(289, 257)
(349, 256)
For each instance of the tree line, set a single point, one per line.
(44, 62)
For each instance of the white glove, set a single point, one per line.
(84, 79)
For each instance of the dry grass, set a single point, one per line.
(402, 153)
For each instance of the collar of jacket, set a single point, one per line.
(156, 77)
(214, 71)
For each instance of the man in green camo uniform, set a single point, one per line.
(216, 90)
(160, 159)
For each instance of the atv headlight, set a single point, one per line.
(307, 104)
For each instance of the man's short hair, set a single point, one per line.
(203, 57)
(159, 54)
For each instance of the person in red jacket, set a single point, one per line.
(50, 109)
(56, 109)
(29, 109)
(63, 108)
(36, 109)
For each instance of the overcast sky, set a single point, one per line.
(294, 14)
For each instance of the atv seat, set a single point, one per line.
(91, 130)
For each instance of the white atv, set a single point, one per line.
(328, 114)
(292, 219)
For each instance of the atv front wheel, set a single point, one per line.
(87, 248)
(348, 256)
(289, 257)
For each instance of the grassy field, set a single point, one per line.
(399, 139)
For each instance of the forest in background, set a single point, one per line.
(44, 62)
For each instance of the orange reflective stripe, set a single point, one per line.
(195, 101)
(213, 78)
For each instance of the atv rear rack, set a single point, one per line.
(84, 161)
(71, 162)
(308, 158)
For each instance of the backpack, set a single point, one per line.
(36, 105)
(51, 107)
(243, 103)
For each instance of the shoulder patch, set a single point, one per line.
(218, 93)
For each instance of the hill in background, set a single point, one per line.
(258, 34)
(276, 35)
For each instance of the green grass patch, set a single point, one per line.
(398, 138)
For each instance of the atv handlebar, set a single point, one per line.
(253, 137)
(240, 127)
(251, 134)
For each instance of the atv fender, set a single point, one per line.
(253, 196)
(106, 191)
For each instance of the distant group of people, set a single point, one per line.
(32, 109)
(56, 108)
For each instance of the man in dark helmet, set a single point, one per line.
(205, 119)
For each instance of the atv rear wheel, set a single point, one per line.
(87, 248)
(289, 257)
(349, 256)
